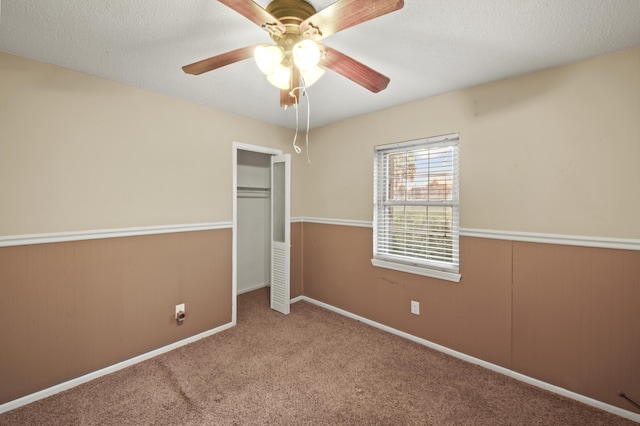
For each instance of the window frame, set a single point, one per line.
(436, 269)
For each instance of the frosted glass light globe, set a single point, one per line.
(280, 77)
(312, 75)
(306, 54)
(268, 58)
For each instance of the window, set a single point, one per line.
(415, 212)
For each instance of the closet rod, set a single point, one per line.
(253, 192)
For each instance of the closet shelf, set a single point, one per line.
(253, 192)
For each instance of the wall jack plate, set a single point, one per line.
(415, 307)
(180, 312)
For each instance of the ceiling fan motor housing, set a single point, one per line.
(291, 13)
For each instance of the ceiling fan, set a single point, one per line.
(296, 28)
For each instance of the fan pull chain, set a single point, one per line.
(304, 93)
(296, 148)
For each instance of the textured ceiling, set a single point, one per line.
(427, 48)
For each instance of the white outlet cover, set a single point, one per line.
(415, 307)
(180, 307)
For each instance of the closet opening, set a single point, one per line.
(261, 223)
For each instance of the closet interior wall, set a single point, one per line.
(254, 215)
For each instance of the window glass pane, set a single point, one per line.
(429, 174)
(439, 234)
(419, 188)
(420, 232)
(397, 189)
(401, 170)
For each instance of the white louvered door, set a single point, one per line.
(280, 230)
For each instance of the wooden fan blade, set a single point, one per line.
(254, 12)
(347, 13)
(219, 61)
(354, 70)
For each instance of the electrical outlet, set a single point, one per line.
(415, 307)
(180, 309)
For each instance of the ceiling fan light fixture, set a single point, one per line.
(268, 58)
(280, 77)
(306, 54)
(295, 26)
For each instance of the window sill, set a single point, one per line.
(433, 273)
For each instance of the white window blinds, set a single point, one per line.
(416, 214)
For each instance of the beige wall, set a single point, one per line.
(565, 315)
(79, 152)
(552, 152)
(548, 152)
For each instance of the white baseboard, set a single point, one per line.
(11, 405)
(518, 376)
(296, 299)
(255, 287)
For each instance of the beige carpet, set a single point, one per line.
(313, 367)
